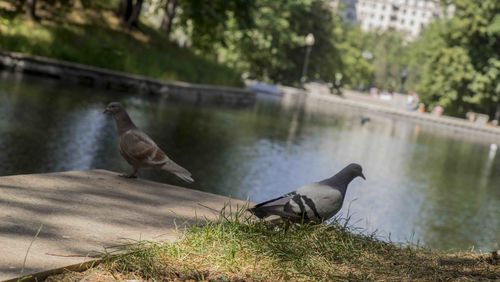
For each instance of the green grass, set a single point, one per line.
(92, 36)
(240, 249)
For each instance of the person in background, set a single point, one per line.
(421, 108)
(437, 110)
(412, 101)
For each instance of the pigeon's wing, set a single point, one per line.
(278, 206)
(135, 145)
(310, 202)
(320, 201)
(282, 200)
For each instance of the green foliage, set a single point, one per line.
(273, 48)
(390, 58)
(207, 20)
(455, 63)
(358, 71)
(464, 74)
(418, 52)
(455, 72)
(96, 43)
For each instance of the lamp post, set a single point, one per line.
(403, 76)
(309, 44)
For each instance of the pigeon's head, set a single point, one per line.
(355, 170)
(113, 108)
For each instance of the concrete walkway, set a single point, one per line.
(81, 213)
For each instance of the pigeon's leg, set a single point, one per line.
(131, 175)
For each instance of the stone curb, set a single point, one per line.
(120, 81)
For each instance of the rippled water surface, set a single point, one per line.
(423, 185)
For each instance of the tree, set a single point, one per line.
(273, 47)
(129, 12)
(357, 57)
(206, 21)
(29, 7)
(464, 75)
(169, 9)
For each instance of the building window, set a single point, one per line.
(381, 17)
(411, 22)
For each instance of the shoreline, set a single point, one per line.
(199, 93)
(329, 103)
(91, 76)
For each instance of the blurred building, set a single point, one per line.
(408, 16)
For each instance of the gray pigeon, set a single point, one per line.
(138, 149)
(313, 202)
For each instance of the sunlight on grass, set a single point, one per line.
(236, 247)
(93, 37)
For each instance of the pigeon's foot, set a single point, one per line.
(130, 175)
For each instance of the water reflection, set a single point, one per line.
(68, 148)
(422, 184)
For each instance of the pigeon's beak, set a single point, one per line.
(106, 111)
(362, 176)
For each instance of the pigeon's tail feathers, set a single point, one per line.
(258, 212)
(274, 206)
(266, 211)
(185, 176)
(178, 170)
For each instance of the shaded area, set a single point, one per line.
(64, 36)
(82, 213)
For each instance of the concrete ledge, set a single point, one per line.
(120, 81)
(42, 276)
(83, 212)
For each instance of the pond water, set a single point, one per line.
(423, 186)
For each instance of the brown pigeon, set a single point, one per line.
(138, 149)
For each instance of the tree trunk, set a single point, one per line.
(31, 9)
(133, 20)
(129, 12)
(124, 11)
(168, 18)
(20, 6)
